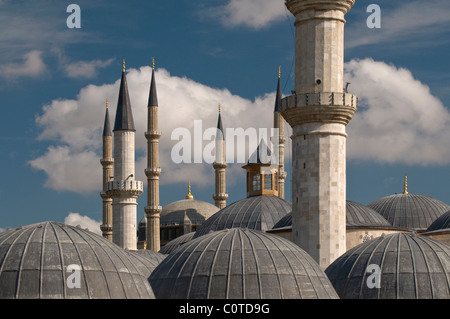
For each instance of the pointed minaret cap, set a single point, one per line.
(189, 195)
(153, 97)
(279, 94)
(405, 185)
(220, 127)
(107, 126)
(124, 116)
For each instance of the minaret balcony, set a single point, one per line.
(152, 135)
(325, 107)
(153, 171)
(133, 187)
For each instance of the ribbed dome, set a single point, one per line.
(147, 260)
(357, 215)
(360, 215)
(175, 243)
(410, 210)
(256, 212)
(411, 266)
(196, 210)
(443, 222)
(240, 264)
(34, 261)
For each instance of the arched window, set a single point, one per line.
(256, 181)
(268, 181)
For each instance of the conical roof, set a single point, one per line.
(107, 125)
(124, 116)
(153, 96)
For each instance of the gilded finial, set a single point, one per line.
(123, 65)
(405, 185)
(153, 63)
(279, 71)
(189, 195)
(219, 108)
(106, 103)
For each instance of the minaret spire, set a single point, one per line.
(107, 162)
(220, 196)
(153, 171)
(278, 124)
(125, 189)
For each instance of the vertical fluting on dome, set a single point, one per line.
(220, 165)
(107, 162)
(153, 171)
(318, 112)
(124, 189)
(280, 138)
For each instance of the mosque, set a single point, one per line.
(319, 246)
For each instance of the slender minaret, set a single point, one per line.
(220, 165)
(124, 190)
(278, 123)
(107, 162)
(153, 171)
(318, 112)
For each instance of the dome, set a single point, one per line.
(196, 210)
(411, 266)
(35, 260)
(175, 243)
(240, 264)
(443, 222)
(256, 212)
(147, 260)
(357, 215)
(412, 211)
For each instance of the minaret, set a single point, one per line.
(220, 196)
(124, 190)
(107, 162)
(318, 112)
(153, 171)
(278, 123)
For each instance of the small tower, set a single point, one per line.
(153, 171)
(124, 190)
(262, 176)
(220, 165)
(107, 162)
(278, 123)
(318, 112)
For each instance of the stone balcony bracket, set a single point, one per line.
(120, 187)
(109, 161)
(153, 171)
(221, 196)
(153, 211)
(219, 165)
(152, 135)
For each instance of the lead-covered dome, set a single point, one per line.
(175, 243)
(443, 222)
(196, 210)
(240, 264)
(411, 211)
(256, 212)
(410, 266)
(41, 261)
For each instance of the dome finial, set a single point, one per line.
(189, 195)
(405, 185)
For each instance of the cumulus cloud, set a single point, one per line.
(75, 127)
(32, 66)
(255, 14)
(399, 120)
(85, 222)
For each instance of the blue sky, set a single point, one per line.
(54, 82)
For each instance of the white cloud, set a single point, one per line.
(255, 14)
(399, 120)
(75, 127)
(32, 66)
(75, 219)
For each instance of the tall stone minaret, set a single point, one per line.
(318, 113)
(153, 171)
(278, 123)
(220, 165)
(107, 162)
(125, 189)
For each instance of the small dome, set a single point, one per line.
(357, 215)
(196, 210)
(147, 260)
(240, 264)
(256, 212)
(175, 243)
(35, 260)
(443, 222)
(410, 266)
(412, 211)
